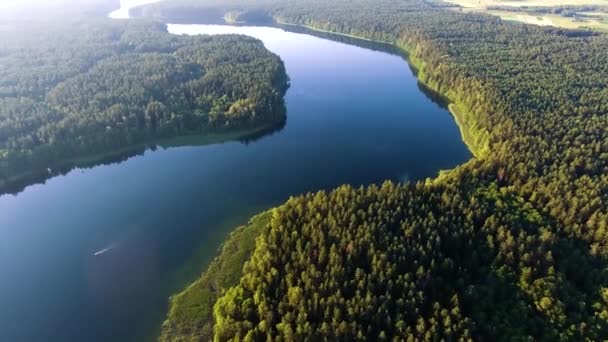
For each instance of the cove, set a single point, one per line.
(94, 254)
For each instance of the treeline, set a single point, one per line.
(89, 88)
(535, 102)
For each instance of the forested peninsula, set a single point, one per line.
(82, 90)
(512, 245)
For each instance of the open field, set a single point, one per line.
(580, 13)
(522, 3)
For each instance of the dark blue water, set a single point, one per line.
(354, 116)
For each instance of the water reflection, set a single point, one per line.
(41, 176)
(363, 43)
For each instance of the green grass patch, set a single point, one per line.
(190, 316)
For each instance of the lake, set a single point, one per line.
(94, 254)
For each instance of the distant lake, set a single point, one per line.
(94, 254)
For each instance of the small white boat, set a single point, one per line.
(102, 251)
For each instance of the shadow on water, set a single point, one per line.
(263, 133)
(437, 98)
(41, 176)
(360, 42)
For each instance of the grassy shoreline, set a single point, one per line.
(192, 308)
(465, 133)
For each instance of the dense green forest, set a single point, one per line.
(511, 245)
(413, 261)
(115, 84)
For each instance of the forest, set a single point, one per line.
(118, 84)
(511, 245)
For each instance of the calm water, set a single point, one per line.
(354, 116)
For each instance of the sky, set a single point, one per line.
(15, 4)
(16, 8)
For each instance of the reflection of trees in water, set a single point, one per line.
(363, 43)
(434, 96)
(437, 98)
(41, 176)
(253, 137)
